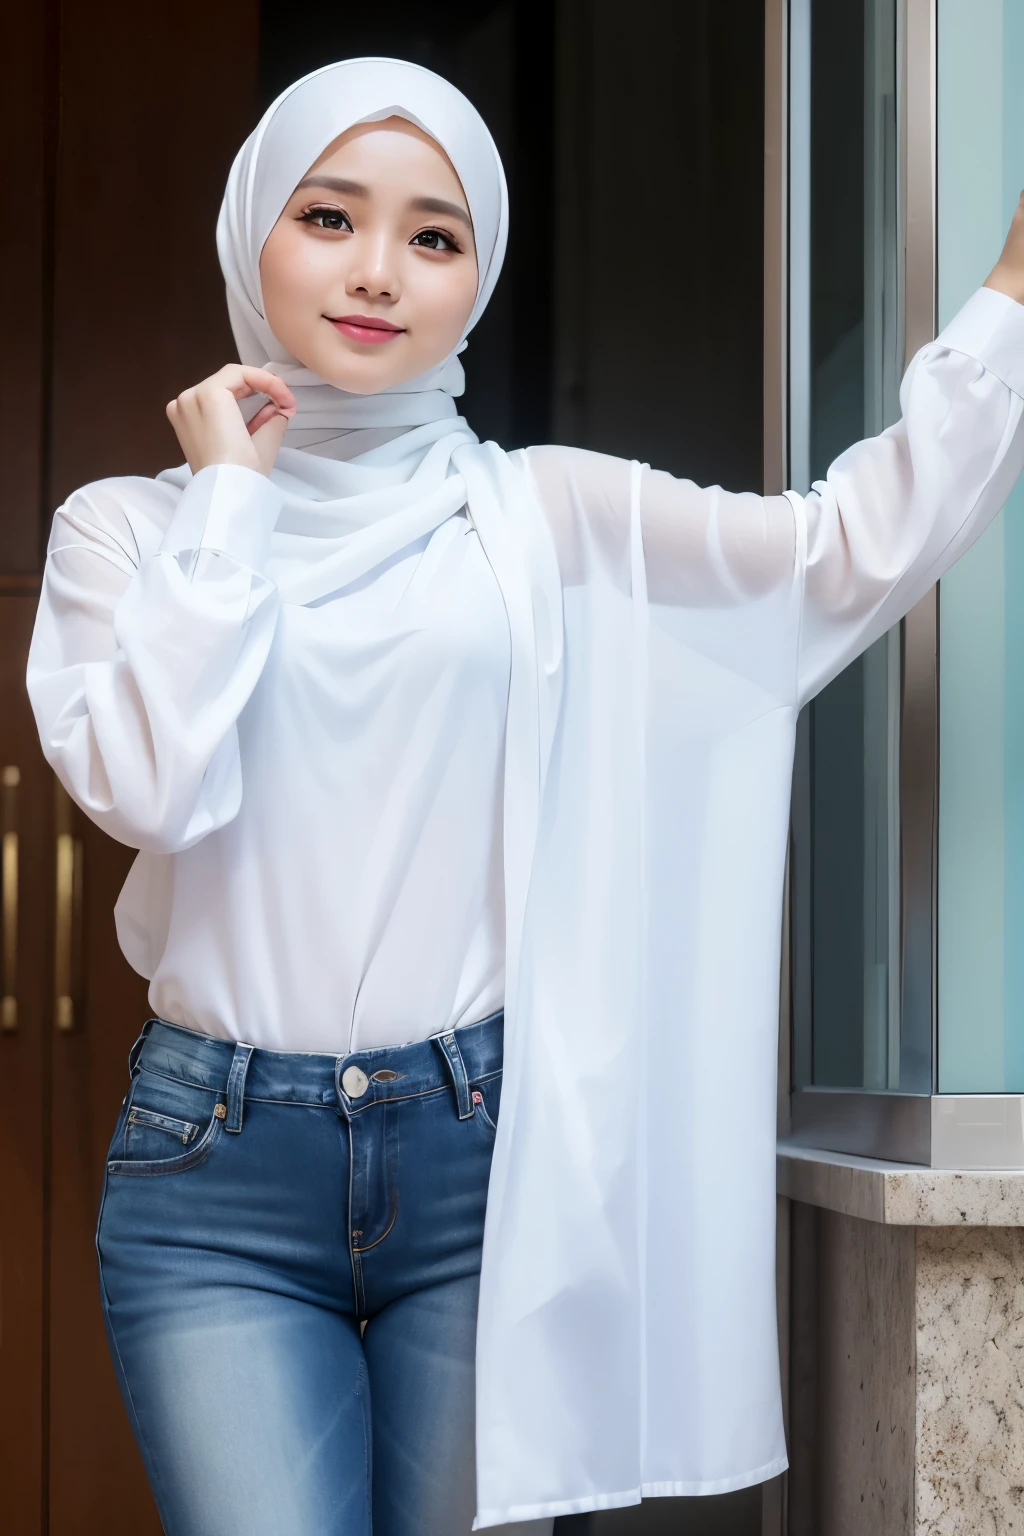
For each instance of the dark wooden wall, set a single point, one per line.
(121, 120)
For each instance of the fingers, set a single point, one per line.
(210, 427)
(242, 380)
(263, 415)
(267, 439)
(239, 381)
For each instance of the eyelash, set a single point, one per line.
(314, 215)
(311, 215)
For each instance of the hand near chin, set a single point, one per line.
(211, 429)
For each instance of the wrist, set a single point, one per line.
(1008, 280)
(249, 462)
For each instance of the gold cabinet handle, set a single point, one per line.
(67, 946)
(9, 780)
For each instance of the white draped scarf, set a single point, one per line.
(579, 1403)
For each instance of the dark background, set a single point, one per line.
(629, 313)
(628, 319)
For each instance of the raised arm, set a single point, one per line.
(894, 513)
(823, 575)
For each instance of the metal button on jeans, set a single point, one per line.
(355, 1082)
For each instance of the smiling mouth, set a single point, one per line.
(366, 328)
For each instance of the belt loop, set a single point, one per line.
(236, 1086)
(136, 1050)
(449, 1048)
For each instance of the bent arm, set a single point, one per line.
(141, 663)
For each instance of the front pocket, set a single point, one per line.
(185, 1130)
(163, 1113)
(140, 1167)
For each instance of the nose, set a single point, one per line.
(373, 273)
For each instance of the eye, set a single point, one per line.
(435, 240)
(327, 218)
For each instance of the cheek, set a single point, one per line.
(446, 298)
(295, 276)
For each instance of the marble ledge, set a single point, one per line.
(900, 1194)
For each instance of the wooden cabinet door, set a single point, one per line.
(127, 119)
(67, 1459)
(24, 889)
(154, 104)
(28, 85)
(97, 1482)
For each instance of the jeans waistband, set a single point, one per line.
(453, 1059)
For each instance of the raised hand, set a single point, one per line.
(1008, 273)
(211, 429)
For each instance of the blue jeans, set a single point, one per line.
(289, 1249)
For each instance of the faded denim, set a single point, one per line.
(289, 1277)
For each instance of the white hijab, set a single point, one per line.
(292, 134)
(607, 1364)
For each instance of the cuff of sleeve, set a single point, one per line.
(990, 327)
(227, 508)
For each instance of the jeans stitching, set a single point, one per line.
(155, 1121)
(151, 1167)
(253, 1098)
(357, 1273)
(151, 1464)
(387, 1229)
(364, 1403)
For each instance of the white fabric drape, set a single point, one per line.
(661, 640)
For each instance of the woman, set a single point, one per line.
(451, 769)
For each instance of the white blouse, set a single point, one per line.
(321, 852)
(316, 789)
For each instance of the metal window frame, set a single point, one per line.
(919, 1126)
(890, 1124)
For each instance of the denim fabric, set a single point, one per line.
(289, 1256)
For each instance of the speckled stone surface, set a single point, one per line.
(960, 1287)
(928, 1197)
(899, 1194)
(970, 1382)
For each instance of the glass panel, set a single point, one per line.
(846, 351)
(981, 616)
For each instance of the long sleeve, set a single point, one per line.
(855, 554)
(154, 623)
(893, 513)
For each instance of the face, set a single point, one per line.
(369, 275)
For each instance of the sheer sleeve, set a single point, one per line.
(890, 516)
(703, 546)
(893, 513)
(153, 627)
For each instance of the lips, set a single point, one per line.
(366, 328)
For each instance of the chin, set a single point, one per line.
(359, 383)
(357, 386)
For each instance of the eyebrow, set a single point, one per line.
(438, 205)
(417, 204)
